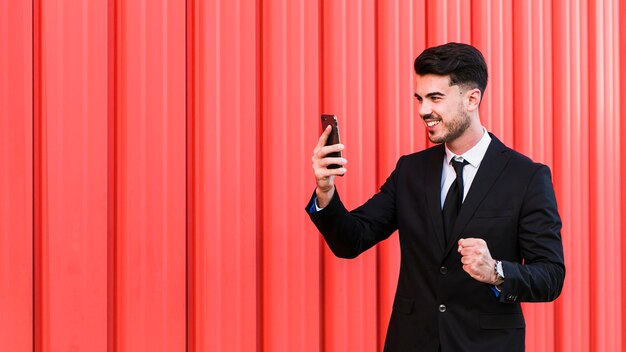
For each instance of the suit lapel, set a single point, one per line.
(433, 192)
(490, 169)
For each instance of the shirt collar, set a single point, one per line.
(475, 155)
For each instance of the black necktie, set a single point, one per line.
(453, 201)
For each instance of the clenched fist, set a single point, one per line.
(477, 260)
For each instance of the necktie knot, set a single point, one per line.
(458, 166)
(458, 169)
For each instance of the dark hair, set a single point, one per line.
(462, 62)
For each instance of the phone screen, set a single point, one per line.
(333, 137)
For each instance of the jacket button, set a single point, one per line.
(442, 308)
(443, 270)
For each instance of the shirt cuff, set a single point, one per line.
(314, 208)
(495, 291)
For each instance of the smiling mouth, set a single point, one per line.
(432, 123)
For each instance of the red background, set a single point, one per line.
(155, 162)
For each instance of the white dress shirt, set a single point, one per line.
(474, 157)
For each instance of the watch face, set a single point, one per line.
(499, 269)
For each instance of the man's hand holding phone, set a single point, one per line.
(325, 175)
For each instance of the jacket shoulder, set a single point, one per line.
(522, 162)
(516, 159)
(423, 155)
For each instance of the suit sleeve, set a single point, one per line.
(349, 234)
(540, 278)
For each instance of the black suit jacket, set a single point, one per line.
(510, 204)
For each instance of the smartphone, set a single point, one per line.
(333, 137)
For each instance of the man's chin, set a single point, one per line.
(436, 139)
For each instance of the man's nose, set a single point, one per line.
(425, 109)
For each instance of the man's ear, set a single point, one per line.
(473, 98)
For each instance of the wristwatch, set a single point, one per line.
(499, 273)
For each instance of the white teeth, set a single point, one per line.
(432, 123)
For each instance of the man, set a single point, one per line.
(472, 247)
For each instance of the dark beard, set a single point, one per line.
(455, 130)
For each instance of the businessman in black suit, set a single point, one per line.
(478, 222)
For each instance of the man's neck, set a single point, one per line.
(467, 141)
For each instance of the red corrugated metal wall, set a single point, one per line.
(155, 161)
